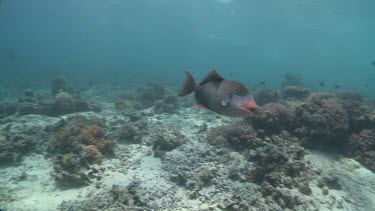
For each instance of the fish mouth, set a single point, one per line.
(252, 109)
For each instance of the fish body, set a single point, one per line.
(225, 97)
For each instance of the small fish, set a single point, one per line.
(337, 86)
(228, 98)
(263, 83)
(366, 84)
(321, 84)
(373, 62)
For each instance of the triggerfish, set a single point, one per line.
(228, 98)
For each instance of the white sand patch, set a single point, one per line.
(358, 183)
(32, 186)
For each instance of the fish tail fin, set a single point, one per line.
(189, 85)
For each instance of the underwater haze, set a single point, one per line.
(133, 41)
(216, 105)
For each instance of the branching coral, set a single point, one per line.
(83, 141)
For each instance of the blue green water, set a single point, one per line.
(123, 41)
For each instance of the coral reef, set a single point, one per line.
(127, 105)
(167, 140)
(154, 95)
(291, 80)
(19, 138)
(273, 118)
(64, 103)
(361, 111)
(134, 130)
(237, 136)
(191, 161)
(78, 144)
(58, 85)
(8, 109)
(264, 96)
(118, 197)
(322, 119)
(60, 103)
(361, 146)
(294, 92)
(167, 105)
(154, 92)
(278, 161)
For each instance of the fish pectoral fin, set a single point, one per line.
(225, 102)
(225, 99)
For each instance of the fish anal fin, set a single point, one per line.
(211, 76)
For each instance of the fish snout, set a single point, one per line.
(251, 105)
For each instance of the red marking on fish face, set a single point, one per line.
(250, 105)
(241, 106)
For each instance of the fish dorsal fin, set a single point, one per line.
(211, 76)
